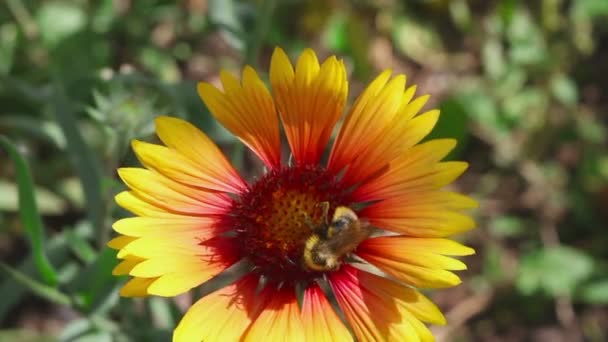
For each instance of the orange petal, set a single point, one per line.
(379, 309)
(221, 316)
(181, 169)
(162, 192)
(397, 138)
(321, 323)
(310, 101)
(416, 169)
(246, 109)
(279, 320)
(421, 262)
(194, 145)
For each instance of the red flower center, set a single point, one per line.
(277, 215)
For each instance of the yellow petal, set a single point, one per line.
(223, 315)
(126, 266)
(136, 287)
(154, 247)
(156, 267)
(177, 263)
(154, 226)
(310, 101)
(189, 141)
(130, 201)
(173, 284)
(120, 242)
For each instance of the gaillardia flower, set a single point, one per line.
(364, 221)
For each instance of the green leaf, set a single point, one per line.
(95, 283)
(161, 63)
(419, 41)
(336, 34)
(224, 14)
(80, 247)
(507, 226)
(348, 34)
(493, 269)
(555, 271)
(492, 55)
(8, 45)
(28, 211)
(58, 20)
(33, 126)
(595, 292)
(23, 335)
(46, 201)
(59, 254)
(92, 329)
(161, 312)
(590, 8)
(452, 124)
(564, 90)
(44, 291)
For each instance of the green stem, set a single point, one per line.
(23, 18)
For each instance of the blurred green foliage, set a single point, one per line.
(520, 84)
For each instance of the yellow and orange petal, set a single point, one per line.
(379, 309)
(246, 109)
(320, 321)
(310, 100)
(420, 262)
(279, 319)
(223, 315)
(171, 265)
(163, 192)
(210, 164)
(379, 127)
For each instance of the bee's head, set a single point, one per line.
(344, 218)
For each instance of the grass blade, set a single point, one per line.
(44, 291)
(29, 213)
(84, 162)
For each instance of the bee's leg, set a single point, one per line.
(324, 211)
(290, 260)
(308, 221)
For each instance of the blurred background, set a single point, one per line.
(521, 84)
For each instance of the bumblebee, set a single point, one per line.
(330, 242)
